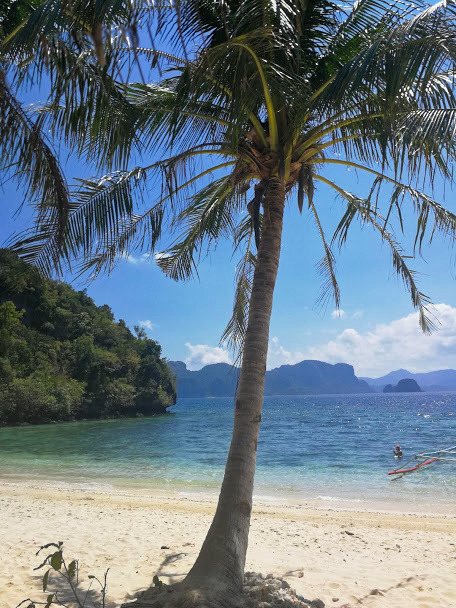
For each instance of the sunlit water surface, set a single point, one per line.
(323, 448)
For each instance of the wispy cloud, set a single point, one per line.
(147, 324)
(278, 355)
(141, 259)
(338, 313)
(203, 354)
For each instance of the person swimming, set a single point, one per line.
(397, 452)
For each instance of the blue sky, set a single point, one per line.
(375, 330)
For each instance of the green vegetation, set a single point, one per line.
(63, 358)
(62, 580)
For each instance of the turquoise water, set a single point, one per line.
(323, 448)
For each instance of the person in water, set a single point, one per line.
(398, 452)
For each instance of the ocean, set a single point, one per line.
(322, 450)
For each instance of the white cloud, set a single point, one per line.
(203, 354)
(278, 356)
(394, 345)
(338, 314)
(357, 314)
(147, 324)
(133, 259)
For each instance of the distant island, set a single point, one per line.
(64, 358)
(304, 378)
(436, 381)
(406, 385)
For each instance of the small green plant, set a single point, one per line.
(157, 582)
(69, 573)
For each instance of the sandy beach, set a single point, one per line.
(347, 558)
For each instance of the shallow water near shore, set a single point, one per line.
(323, 449)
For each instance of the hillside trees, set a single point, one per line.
(63, 358)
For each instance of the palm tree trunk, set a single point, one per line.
(220, 564)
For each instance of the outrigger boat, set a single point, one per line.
(427, 458)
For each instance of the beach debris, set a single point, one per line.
(164, 547)
(273, 592)
(335, 599)
(349, 533)
(258, 592)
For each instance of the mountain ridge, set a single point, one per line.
(304, 378)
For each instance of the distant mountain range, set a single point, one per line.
(305, 378)
(441, 380)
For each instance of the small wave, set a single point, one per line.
(338, 499)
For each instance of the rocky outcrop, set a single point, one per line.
(406, 385)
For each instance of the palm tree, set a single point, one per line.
(274, 95)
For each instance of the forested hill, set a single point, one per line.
(64, 358)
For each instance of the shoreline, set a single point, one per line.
(51, 421)
(271, 498)
(206, 502)
(361, 557)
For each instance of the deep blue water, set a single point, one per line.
(319, 448)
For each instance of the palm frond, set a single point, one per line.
(234, 333)
(99, 207)
(361, 208)
(208, 217)
(165, 121)
(419, 299)
(424, 206)
(398, 64)
(326, 266)
(26, 154)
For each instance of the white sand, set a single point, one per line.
(388, 560)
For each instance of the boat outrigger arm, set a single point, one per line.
(444, 454)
